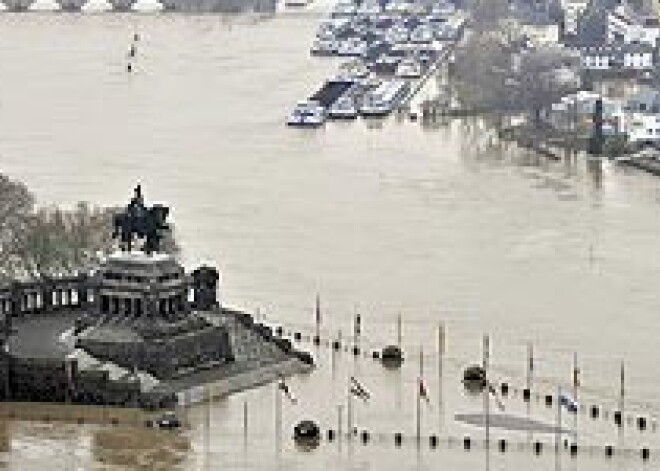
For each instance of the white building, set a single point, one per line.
(625, 26)
(573, 10)
(642, 127)
(575, 111)
(618, 57)
(541, 34)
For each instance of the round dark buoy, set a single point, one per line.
(527, 395)
(474, 379)
(502, 445)
(297, 336)
(467, 443)
(574, 449)
(391, 356)
(306, 431)
(548, 400)
(594, 412)
(646, 454)
(617, 418)
(641, 423)
(609, 451)
(356, 350)
(375, 355)
(364, 436)
(316, 340)
(538, 447)
(331, 434)
(433, 441)
(504, 388)
(336, 345)
(398, 438)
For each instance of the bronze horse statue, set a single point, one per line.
(145, 223)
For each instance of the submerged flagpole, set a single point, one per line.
(349, 413)
(317, 315)
(486, 358)
(441, 351)
(418, 387)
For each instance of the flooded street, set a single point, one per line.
(438, 223)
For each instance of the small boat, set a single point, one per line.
(382, 100)
(344, 10)
(352, 48)
(354, 69)
(409, 68)
(422, 34)
(168, 420)
(324, 47)
(307, 114)
(297, 3)
(344, 108)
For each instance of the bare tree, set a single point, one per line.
(50, 240)
(16, 205)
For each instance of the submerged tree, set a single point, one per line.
(482, 66)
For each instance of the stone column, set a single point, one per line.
(16, 300)
(47, 295)
(82, 286)
(114, 303)
(58, 298)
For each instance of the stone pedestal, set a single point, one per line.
(143, 319)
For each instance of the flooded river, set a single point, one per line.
(436, 223)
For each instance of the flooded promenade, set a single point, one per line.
(437, 223)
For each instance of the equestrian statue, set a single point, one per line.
(141, 222)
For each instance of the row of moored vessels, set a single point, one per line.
(390, 44)
(377, 101)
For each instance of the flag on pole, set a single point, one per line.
(287, 391)
(568, 401)
(317, 310)
(493, 392)
(358, 328)
(358, 390)
(423, 391)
